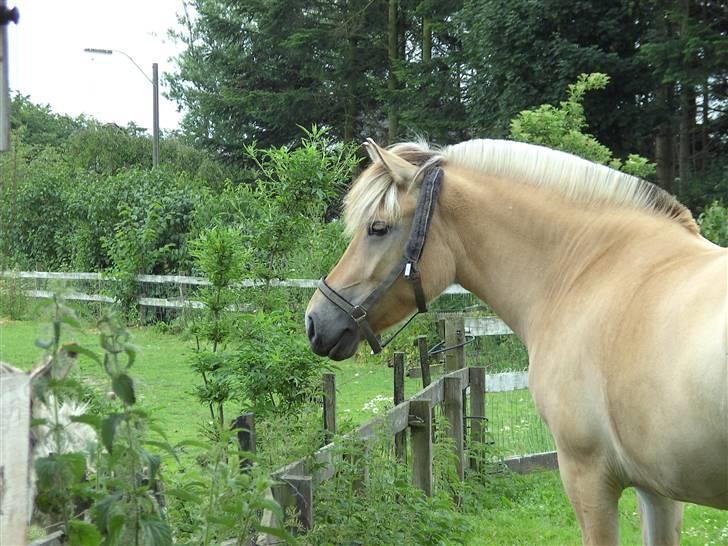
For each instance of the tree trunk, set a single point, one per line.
(350, 100)
(426, 39)
(392, 33)
(664, 142)
(687, 125)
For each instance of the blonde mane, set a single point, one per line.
(374, 194)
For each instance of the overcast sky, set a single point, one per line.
(48, 63)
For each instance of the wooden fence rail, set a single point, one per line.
(165, 303)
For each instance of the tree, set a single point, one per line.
(523, 53)
(686, 48)
(254, 70)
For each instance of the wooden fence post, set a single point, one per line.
(454, 335)
(245, 429)
(421, 431)
(400, 439)
(453, 408)
(424, 361)
(329, 407)
(477, 408)
(296, 491)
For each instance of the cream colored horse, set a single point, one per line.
(621, 304)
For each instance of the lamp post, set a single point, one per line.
(6, 16)
(155, 96)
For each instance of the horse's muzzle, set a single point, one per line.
(334, 338)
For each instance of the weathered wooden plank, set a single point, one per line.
(72, 296)
(421, 434)
(453, 410)
(506, 381)
(329, 414)
(244, 425)
(400, 438)
(486, 326)
(454, 337)
(14, 455)
(424, 361)
(529, 463)
(477, 407)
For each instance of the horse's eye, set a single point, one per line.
(378, 228)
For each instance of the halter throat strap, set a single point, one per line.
(407, 266)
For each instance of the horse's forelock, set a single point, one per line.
(374, 195)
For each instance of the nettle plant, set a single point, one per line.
(117, 485)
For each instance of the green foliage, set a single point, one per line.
(14, 303)
(713, 223)
(220, 256)
(295, 188)
(276, 370)
(120, 492)
(213, 501)
(562, 128)
(385, 508)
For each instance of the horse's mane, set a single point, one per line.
(375, 195)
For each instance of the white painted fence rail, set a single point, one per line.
(182, 280)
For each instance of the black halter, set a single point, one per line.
(407, 266)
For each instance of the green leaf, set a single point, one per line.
(81, 533)
(88, 419)
(108, 430)
(76, 348)
(157, 532)
(123, 386)
(183, 494)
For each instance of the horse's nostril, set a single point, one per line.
(310, 327)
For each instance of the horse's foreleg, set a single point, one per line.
(594, 499)
(661, 518)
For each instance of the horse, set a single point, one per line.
(619, 300)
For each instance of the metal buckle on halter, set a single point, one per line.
(409, 271)
(358, 313)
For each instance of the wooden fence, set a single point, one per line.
(297, 481)
(180, 281)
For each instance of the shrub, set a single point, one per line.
(713, 223)
(277, 372)
(562, 128)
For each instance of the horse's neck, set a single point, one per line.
(514, 243)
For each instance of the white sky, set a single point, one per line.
(48, 63)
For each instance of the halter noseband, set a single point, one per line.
(407, 266)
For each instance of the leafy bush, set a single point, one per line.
(277, 372)
(562, 128)
(220, 256)
(385, 508)
(117, 494)
(714, 223)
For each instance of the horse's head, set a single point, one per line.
(387, 271)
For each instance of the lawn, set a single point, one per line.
(514, 510)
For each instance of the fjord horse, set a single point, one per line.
(620, 302)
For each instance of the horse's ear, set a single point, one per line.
(401, 171)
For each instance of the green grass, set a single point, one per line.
(533, 509)
(514, 510)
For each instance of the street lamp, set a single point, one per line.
(6, 16)
(155, 96)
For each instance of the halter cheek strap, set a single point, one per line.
(407, 266)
